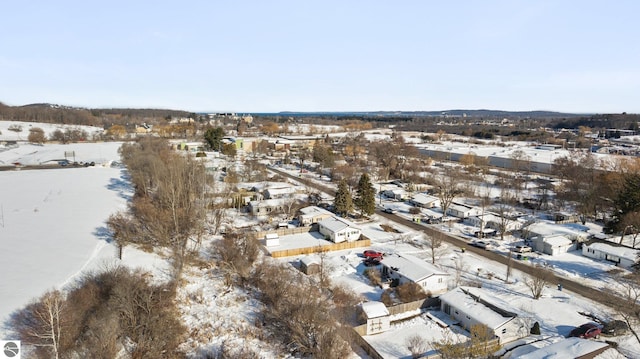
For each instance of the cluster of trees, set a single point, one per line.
(103, 316)
(364, 201)
(303, 315)
(167, 209)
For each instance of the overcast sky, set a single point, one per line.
(267, 56)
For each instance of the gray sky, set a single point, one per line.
(267, 56)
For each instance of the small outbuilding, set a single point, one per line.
(339, 230)
(376, 316)
(309, 265)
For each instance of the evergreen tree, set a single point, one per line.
(213, 137)
(628, 200)
(343, 201)
(365, 196)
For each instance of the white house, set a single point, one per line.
(491, 220)
(396, 193)
(471, 306)
(312, 214)
(279, 192)
(461, 210)
(424, 200)
(545, 229)
(552, 245)
(377, 316)
(619, 255)
(338, 229)
(409, 269)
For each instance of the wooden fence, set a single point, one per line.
(418, 304)
(365, 242)
(287, 231)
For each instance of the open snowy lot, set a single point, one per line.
(52, 222)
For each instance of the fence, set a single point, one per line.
(418, 304)
(325, 248)
(287, 231)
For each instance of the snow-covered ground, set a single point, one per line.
(52, 226)
(53, 222)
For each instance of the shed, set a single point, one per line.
(310, 265)
(271, 240)
(377, 317)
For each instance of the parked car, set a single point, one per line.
(522, 249)
(481, 244)
(373, 254)
(370, 261)
(586, 331)
(389, 210)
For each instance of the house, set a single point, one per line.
(406, 268)
(424, 200)
(268, 206)
(472, 306)
(492, 221)
(312, 214)
(396, 193)
(461, 210)
(545, 229)
(619, 255)
(338, 229)
(376, 315)
(569, 348)
(279, 192)
(552, 245)
(310, 265)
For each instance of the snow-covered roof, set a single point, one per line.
(557, 241)
(545, 229)
(567, 348)
(620, 251)
(424, 198)
(374, 309)
(313, 211)
(309, 260)
(411, 267)
(473, 301)
(336, 224)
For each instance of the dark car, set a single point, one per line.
(586, 331)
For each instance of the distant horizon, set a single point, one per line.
(313, 112)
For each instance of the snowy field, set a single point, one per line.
(52, 222)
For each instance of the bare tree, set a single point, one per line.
(417, 345)
(449, 187)
(536, 284)
(460, 267)
(43, 323)
(435, 245)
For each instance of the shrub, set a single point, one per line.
(409, 292)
